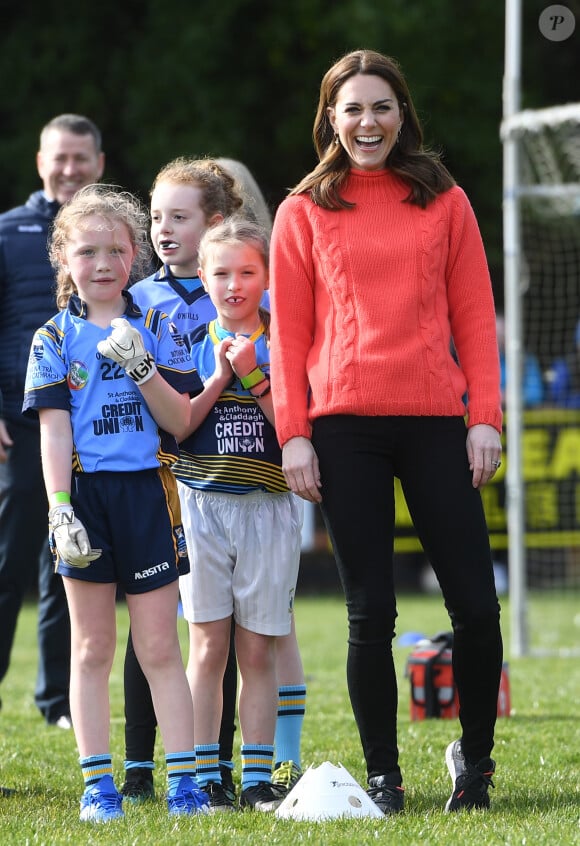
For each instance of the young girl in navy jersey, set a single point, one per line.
(110, 409)
(242, 525)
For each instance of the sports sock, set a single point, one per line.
(207, 763)
(291, 708)
(256, 763)
(179, 764)
(95, 767)
(144, 765)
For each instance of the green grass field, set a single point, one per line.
(537, 794)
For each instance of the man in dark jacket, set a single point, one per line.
(69, 158)
(4, 791)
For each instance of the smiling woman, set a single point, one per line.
(377, 270)
(367, 120)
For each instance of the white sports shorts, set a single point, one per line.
(244, 554)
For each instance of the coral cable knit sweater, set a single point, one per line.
(365, 303)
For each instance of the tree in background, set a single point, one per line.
(240, 79)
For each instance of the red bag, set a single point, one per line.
(433, 690)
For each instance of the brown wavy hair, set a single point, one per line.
(219, 192)
(409, 159)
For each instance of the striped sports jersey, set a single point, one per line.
(184, 301)
(111, 423)
(235, 449)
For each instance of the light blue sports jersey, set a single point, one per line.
(235, 450)
(111, 423)
(184, 301)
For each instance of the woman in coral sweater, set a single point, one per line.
(378, 268)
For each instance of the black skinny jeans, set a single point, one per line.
(359, 458)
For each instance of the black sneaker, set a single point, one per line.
(470, 781)
(286, 776)
(262, 797)
(390, 798)
(228, 782)
(138, 785)
(219, 801)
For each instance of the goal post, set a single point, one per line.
(541, 211)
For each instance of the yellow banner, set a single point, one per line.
(551, 476)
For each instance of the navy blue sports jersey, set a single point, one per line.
(235, 450)
(112, 426)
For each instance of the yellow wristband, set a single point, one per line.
(59, 498)
(252, 379)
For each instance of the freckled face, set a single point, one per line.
(99, 257)
(366, 118)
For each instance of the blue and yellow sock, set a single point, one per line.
(256, 764)
(207, 763)
(179, 764)
(95, 767)
(291, 708)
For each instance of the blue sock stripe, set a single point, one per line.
(187, 757)
(144, 765)
(292, 690)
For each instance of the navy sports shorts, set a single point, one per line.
(135, 518)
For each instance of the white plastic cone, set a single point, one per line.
(327, 792)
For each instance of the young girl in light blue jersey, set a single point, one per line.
(111, 406)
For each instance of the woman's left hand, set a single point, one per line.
(483, 452)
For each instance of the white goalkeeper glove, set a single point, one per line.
(70, 537)
(125, 346)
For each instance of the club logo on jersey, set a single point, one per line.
(77, 376)
(175, 334)
(180, 538)
(38, 350)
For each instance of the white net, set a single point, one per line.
(548, 144)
